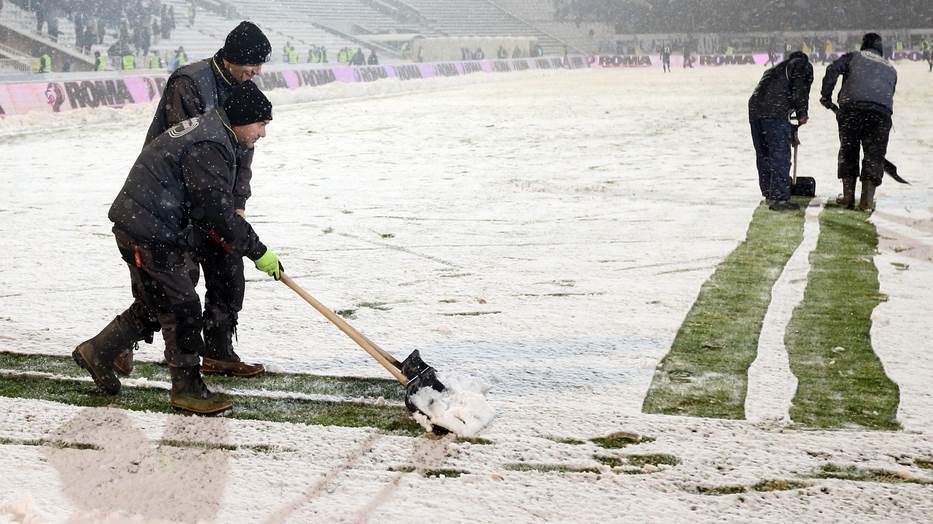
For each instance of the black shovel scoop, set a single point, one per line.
(412, 373)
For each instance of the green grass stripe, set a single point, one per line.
(394, 419)
(347, 387)
(841, 382)
(705, 374)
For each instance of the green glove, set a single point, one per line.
(269, 264)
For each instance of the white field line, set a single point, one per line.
(158, 384)
(771, 385)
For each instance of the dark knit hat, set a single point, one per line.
(247, 105)
(247, 45)
(873, 41)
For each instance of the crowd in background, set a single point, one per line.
(717, 16)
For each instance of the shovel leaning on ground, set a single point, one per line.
(412, 373)
(804, 186)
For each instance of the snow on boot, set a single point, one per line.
(97, 354)
(190, 394)
(867, 200)
(847, 198)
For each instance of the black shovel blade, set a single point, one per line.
(420, 375)
(805, 186)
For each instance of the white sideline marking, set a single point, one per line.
(771, 385)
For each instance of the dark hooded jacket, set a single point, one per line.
(784, 89)
(192, 90)
(184, 179)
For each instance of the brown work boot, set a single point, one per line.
(847, 198)
(867, 200)
(210, 366)
(190, 394)
(97, 354)
(123, 363)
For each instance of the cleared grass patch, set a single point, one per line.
(620, 439)
(550, 468)
(855, 473)
(841, 382)
(444, 472)
(705, 374)
(349, 414)
(59, 444)
(348, 387)
(761, 487)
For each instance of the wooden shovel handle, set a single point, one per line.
(391, 364)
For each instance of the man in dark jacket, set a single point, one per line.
(181, 185)
(866, 103)
(783, 90)
(191, 91)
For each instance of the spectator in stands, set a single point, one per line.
(866, 104)
(45, 63)
(517, 52)
(167, 21)
(285, 49)
(129, 62)
(100, 63)
(52, 15)
(191, 91)
(40, 15)
(143, 39)
(783, 90)
(79, 29)
(502, 53)
(465, 54)
(292, 54)
(156, 30)
(181, 58)
(373, 59)
(479, 54)
(358, 58)
(155, 60)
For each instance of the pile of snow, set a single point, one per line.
(461, 407)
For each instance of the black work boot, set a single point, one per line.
(867, 201)
(783, 205)
(219, 357)
(847, 198)
(97, 354)
(190, 394)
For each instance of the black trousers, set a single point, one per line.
(225, 286)
(862, 130)
(165, 297)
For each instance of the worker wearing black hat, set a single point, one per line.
(180, 186)
(866, 104)
(190, 91)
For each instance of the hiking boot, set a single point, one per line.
(190, 394)
(847, 198)
(210, 366)
(867, 200)
(219, 357)
(123, 363)
(97, 354)
(784, 205)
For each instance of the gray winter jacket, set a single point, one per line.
(868, 81)
(183, 179)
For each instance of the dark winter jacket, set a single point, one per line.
(191, 91)
(785, 88)
(184, 179)
(868, 81)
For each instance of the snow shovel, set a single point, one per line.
(804, 186)
(412, 373)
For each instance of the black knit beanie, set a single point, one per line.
(247, 105)
(873, 41)
(247, 45)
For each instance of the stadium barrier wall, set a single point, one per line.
(702, 60)
(72, 91)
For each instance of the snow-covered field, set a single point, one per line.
(547, 231)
